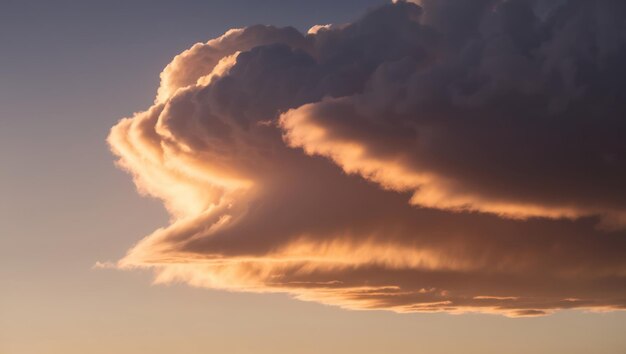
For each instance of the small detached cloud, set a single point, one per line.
(433, 156)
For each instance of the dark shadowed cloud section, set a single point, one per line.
(444, 156)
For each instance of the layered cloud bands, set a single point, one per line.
(449, 156)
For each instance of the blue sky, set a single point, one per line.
(69, 70)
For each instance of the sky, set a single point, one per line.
(537, 222)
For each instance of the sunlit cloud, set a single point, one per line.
(407, 161)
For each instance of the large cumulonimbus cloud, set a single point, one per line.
(448, 156)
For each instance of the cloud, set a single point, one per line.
(449, 156)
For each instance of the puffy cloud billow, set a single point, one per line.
(451, 155)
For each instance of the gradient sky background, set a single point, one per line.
(69, 70)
